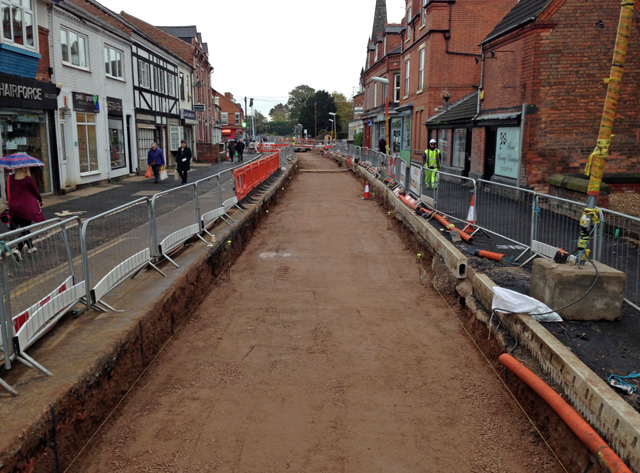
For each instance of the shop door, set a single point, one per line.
(64, 158)
(489, 153)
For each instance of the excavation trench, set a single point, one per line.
(316, 341)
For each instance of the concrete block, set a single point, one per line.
(559, 284)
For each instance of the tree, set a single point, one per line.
(314, 115)
(261, 123)
(279, 113)
(358, 139)
(297, 98)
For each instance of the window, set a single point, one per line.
(113, 63)
(406, 133)
(424, 12)
(443, 145)
(145, 138)
(17, 22)
(171, 85)
(409, 24)
(74, 48)
(407, 69)
(144, 78)
(87, 145)
(421, 76)
(237, 118)
(376, 58)
(181, 86)
(459, 147)
(224, 117)
(384, 49)
(176, 134)
(375, 94)
(396, 88)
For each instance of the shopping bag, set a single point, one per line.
(149, 172)
(7, 221)
(163, 173)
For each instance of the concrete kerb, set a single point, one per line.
(45, 426)
(614, 419)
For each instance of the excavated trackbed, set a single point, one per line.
(321, 352)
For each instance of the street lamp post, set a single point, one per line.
(335, 138)
(332, 125)
(384, 81)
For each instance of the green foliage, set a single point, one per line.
(282, 128)
(358, 139)
(314, 115)
(297, 99)
(345, 113)
(280, 113)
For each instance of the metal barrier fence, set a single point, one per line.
(83, 263)
(115, 245)
(538, 223)
(37, 288)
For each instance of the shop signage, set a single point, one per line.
(114, 107)
(507, 152)
(86, 102)
(198, 107)
(188, 114)
(22, 92)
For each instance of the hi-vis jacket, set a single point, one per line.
(432, 158)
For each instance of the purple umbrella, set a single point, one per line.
(19, 160)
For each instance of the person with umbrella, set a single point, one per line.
(22, 194)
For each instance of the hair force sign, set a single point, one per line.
(22, 92)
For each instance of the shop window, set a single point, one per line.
(113, 63)
(25, 132)
(443, 145)
(87, 144)
(74, 48)
(17, 22)
(116, 143)
(459, 147)
(406, 133)
(145, 138)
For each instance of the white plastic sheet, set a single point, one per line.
(506, 300)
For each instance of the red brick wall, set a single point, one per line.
(574, 58)
(44, 62)
(458, 74)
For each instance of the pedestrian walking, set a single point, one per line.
(240, 150)
(155, 159)
(183, 160)
(431, 159)
(24, 204)
(231, 147)
(382, 145)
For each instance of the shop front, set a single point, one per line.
(117, 151)
(27, 109)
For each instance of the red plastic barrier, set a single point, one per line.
(251, 175)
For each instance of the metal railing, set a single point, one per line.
(77, 262)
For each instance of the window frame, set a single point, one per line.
(24, 14)
(396, 88)
(224, 118)
(407, 71)
(421, 71)
(107, 49)
(83, 40)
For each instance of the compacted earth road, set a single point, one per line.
(322, 352)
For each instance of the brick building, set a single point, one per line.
(543, 92)
(439, 67)
(231, 116)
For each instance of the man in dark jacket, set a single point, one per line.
(231, 147)
(183, 160)
(240, 150)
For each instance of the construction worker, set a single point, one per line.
(431, 159)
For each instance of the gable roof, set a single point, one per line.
(178, 47)
(462, 111)
(524, 12)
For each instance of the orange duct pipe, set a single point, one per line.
(449, 226)
(577, 424)
(488, 255)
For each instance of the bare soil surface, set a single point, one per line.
(321, 353)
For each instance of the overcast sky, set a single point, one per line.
(265, 48)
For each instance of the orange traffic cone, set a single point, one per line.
(471, 216)
(367, 195)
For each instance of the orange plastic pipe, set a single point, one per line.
(577, 424)
(489, 255)
(449, 226)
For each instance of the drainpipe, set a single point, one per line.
(522, 120)
(481, 87)
(447, 37)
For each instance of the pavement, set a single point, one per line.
(94, 200)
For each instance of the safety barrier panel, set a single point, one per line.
(271, 147)
(251, 175)
(115, 245)
(38, 288)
